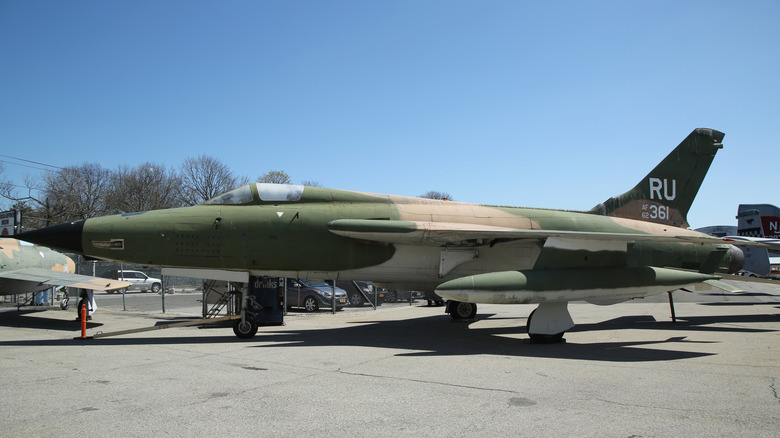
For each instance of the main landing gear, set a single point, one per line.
(261, 303)
(546, 324)
(538, 338)
(245, 328)
(459, 310)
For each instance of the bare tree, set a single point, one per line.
(205, 177)
(72, 193)
(9, 190)
(34, 209)
(32, 218)
(5, 185)
(433, 194)
(148, 186)
(310, 183)
(275, 177)
(76, 192)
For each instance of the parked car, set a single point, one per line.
(361, 292)
(434, 299)
(312, 296)
(391, 296)
(139, 280)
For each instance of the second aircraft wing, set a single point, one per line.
(44, 277)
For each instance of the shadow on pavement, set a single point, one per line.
(30, 319)
(441, 336)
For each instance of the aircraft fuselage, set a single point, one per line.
(294, 239)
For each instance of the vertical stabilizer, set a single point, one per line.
(758, 220)
(666, 194)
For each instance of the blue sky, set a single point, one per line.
(543, 104)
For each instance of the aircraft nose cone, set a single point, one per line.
(64, 237)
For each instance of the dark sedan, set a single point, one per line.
(311, 296)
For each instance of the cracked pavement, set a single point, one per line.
(626, 370)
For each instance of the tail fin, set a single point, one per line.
(758, 220)
(665, 195)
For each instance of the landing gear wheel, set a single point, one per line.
(245, 329)
(310, 304)
(537, 338)
(460, 310)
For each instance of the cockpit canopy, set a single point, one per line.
(258, 192)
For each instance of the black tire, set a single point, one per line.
(390, 296)
(460, 310)
(356, 299)
(310, 304)
(245, 329)
(156, 287)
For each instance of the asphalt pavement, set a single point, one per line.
(400, 370)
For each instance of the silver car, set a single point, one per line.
(139, 280)
(312, 296)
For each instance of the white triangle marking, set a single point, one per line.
(279, 213)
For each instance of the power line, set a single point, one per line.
(30, 161)
(28, 166)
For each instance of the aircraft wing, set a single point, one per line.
(42, 277)
(464, 234)
(767, 242)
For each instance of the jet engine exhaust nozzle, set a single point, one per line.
(736, 259)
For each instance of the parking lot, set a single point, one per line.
(400, 370)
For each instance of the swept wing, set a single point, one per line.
(39, 279)
(464, 234)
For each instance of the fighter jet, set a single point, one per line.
(630, 246)
(26, 268)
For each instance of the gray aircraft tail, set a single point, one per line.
(666, 194)
(758, 220)
(761, 222)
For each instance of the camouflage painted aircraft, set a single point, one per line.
(26, 268)
(629, 246)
